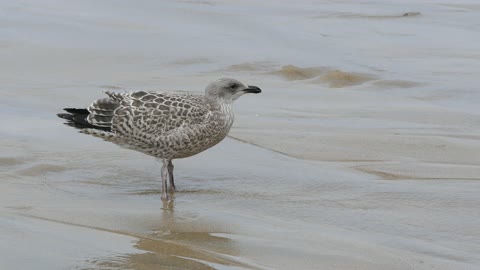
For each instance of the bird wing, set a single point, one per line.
(146, 115)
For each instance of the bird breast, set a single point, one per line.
(192, 141)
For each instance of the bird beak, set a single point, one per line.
(252, 89)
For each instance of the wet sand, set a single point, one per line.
(361, 152)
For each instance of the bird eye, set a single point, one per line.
(233, 86)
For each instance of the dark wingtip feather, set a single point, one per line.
(77, 118)
(65, 116)
(76, 111)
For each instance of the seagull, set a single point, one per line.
(166, 125)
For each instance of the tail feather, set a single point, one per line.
(97, 116)
(77, 118)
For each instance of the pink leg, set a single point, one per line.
(170, 175)
(164, 180)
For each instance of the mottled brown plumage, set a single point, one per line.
(166, 125)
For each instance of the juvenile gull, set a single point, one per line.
(166, 125)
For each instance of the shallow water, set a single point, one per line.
(361, 152)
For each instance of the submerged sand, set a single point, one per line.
(360, 153)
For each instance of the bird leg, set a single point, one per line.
(170, 175)
(164, 180)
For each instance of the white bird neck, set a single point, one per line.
(227, 112)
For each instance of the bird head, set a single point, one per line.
(228, 90)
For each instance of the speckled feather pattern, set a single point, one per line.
(166, 125)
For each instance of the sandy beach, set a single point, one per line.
(362, 152)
